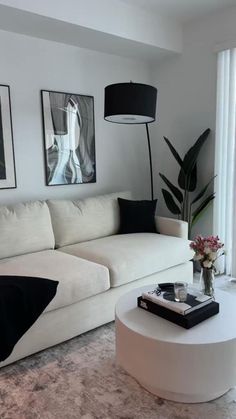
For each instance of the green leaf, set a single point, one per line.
(192, 155)
(202, 192)
(190, 160)
(176, 192)
(201, 214)
(174, 152)
(170, 203)
(196, 214)
(193, 179)
(183, 178)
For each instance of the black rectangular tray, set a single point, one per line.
(187, 321)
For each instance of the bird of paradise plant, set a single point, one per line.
(187, 208)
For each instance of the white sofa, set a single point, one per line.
(76, 243)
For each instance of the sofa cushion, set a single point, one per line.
(133, 256)
(85, 219)
(25, 228)
(78, 278)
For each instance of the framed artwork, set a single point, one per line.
(7, 159)
(69, 138)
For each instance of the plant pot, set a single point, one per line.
(207, 281)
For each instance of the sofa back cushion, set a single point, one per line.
(85, 219)
(25, 228)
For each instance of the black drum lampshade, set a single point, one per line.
(130, 103)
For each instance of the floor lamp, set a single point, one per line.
(132, 103)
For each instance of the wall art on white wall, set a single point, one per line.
(69, 138)
(7, 160)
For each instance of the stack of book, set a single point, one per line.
(195, 309)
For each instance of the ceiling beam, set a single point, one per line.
(105, 25)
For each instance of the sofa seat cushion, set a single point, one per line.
(133, 256)
(78, 278)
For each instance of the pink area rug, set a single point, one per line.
(79, 380)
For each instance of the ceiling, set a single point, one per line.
(45, 27)
(182, 10)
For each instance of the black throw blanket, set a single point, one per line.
(22, 300)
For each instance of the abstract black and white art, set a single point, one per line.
(7, 161)
(69, 138)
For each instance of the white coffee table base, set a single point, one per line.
(190, 366)
(180, 398)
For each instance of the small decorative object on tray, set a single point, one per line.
(207, 250)
(195, 309)
(181, 291)
(194, 300)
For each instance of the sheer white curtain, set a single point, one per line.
(225, 183)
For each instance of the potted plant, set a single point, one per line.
(179, 200)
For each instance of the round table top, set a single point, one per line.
(219, 328)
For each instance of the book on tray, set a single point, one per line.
(195, 300)
(188, 320)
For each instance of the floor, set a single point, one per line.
(79, 380)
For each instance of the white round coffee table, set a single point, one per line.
(191, 366)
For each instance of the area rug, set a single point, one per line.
(79, 380)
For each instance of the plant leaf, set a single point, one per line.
(174, 152)
(200, 214)
(192, 155)
(190, 160)
(202, 192)
(201, 207)
(170, 203)
(176, 192)
(192, 181)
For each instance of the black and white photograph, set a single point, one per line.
(69, 138)
(7, 161)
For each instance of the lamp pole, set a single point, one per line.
(150, 160)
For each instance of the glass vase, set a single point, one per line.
(207, 281)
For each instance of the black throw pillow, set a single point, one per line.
(137, 216)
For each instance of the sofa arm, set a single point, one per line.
(172, 227)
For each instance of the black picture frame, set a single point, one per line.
(7, 155)
(69, 138)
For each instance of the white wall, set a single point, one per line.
(186, 106)
(28, 65)
(187, 100)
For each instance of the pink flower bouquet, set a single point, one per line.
(207, 250)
